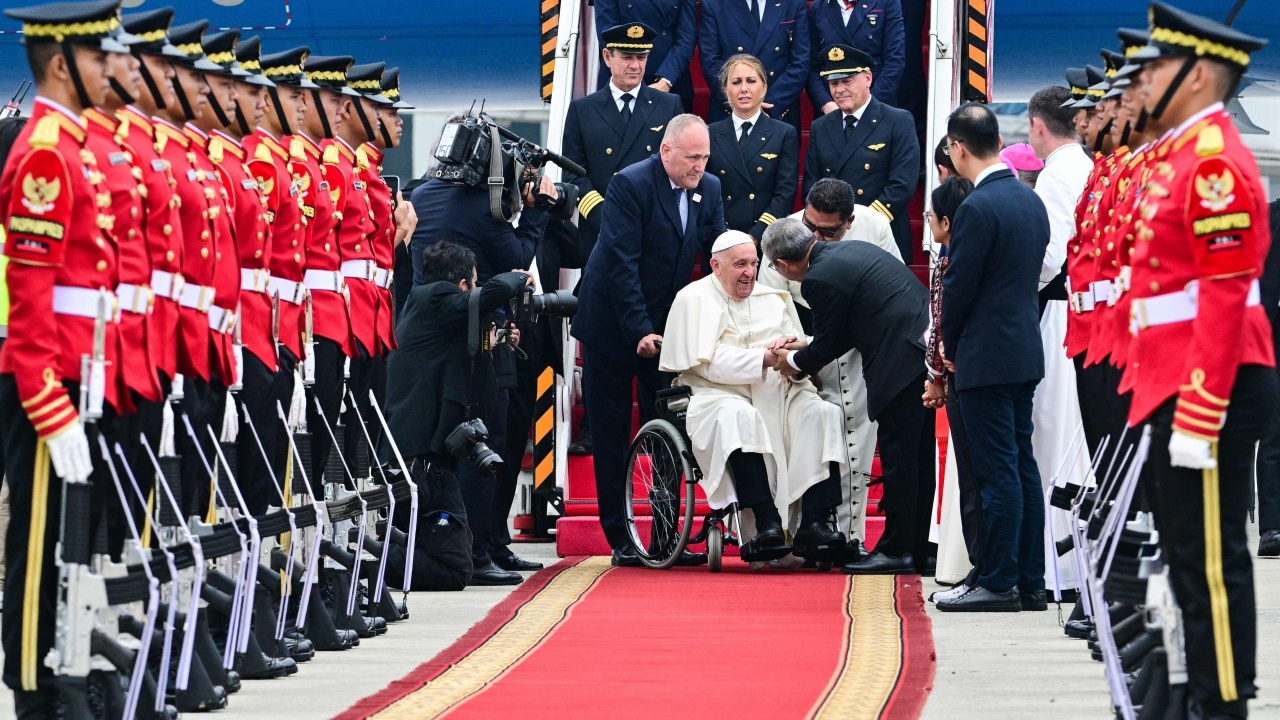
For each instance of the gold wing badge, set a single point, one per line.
(39, 194)
(1216, 191)
(877, 146)
(768, 156)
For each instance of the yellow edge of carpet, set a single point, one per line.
(532, 624)
(873, 652)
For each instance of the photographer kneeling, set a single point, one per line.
(431, 383)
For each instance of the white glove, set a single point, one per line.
(230, 421)
(1190, 452)
(69, 451)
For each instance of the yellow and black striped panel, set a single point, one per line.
(544, 434)
(550, 30)
(975, 62)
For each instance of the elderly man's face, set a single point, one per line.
(736, 268)
(686, 157)
(851, 93)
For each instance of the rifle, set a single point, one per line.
(342, 497)
(13, 108)
(321, 512)
(413, 498)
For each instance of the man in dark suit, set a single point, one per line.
(433, 384)
(659, 216)
(675, 35)
(774, 31)
(991, 335)
(866, 143)
(616, 126)
(757, 173)
(1268, 464)
(863, 298)
(874, 27)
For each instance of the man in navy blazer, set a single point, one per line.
(873, 26)
(777, 34)
(658, 216)
(675, 25)
(991, 334)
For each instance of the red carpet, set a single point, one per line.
(584, 640)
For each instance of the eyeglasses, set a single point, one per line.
(827, 233)
(946, 149)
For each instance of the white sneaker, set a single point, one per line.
(951, 593)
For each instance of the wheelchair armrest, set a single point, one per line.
(673, 404)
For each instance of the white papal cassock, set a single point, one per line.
(717, 345)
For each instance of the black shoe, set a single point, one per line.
(877, 563)
(515, 563)
(265, 667)
(1269, 544)
(691, 559)
(490, 574)
(232, 684)
(816, 536)
(582, 446)
(1034, 601)
(377, 624)
(1235, 710)
(36, 704)
(1078, 629)
(769, 535)
(300, 650)
(626, 557)
(980, 599)
(929, 567)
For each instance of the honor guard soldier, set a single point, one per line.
(1201, 357)
(394, 234)
(1078, 83)
(62, 272)
(617, 125)
(868, 144)
(163, 226)
(326, 322)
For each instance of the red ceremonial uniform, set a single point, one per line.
(359, 266)
(162, 229)
(123, 178)
(384, 242)
(1113, 335)
(251, 213)
(1100, 218)
(1105, 266)
(226, 273)
(288, 233)
(1202, 233)
(1080, 262)
(196, 193)
(61, 258)
(320, 189)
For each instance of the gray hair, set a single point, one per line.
(678, 125)
(787, 239)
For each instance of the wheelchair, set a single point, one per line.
(661, 478)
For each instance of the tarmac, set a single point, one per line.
(1015, 665)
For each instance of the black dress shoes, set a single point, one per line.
(691, 559)
(490, 574)
(980, 599)
(769, 535)
(877, 563)
(515, 563)
(582, 446)
(1269, 544)
(1078, 629)
(816, 537)
(626, 557)
(1034, 601)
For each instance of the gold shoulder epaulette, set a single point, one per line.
(262, 152)
(1210, 141)
(297, 149)
(215, 150)
(331, 155)
(362, 158)
(47, 131)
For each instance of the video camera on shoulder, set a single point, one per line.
(527, 307)
(466, 157)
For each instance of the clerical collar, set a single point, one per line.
(754, 120)
(857, 114)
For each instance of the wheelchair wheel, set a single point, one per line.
(715, 549)
(659, 483)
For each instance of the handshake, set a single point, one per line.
(776, 353)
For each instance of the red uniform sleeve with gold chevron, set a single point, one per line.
(39, 216)
(1221, 215)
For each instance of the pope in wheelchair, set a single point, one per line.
(765, 442)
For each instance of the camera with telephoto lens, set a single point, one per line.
(467, 442)
(528, 307)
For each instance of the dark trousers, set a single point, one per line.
(1268, 470)
(1103, 410)
(32, 556)
(147, 420)
(327, 389)
(997, 420)
(609, 368)
(355, 441)
(1202, 518)
(479, 491)
(262, 392)
(971, 522)
(905, 437)
(203, 403)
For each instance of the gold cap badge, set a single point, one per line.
(836, 55)
(635, 31)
